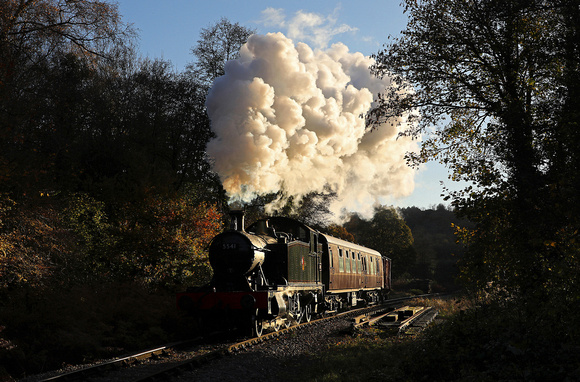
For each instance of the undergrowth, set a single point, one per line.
(45, 329)
(492, 342)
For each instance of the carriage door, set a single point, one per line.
(327, 264)
(364, 271)
(331, 261)
(314, 258)
(359, 271)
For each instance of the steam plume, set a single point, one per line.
(287, 116)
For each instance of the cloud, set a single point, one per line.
(313, 28)
(287, 116)
(273, 17)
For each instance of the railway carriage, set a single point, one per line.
(353, 274)
(279, 271)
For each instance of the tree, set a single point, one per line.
(340, 232)
(38, 38)
(164, 128)
(164, 243)
(29, 240)
(498, 81)
(311, 209)
(89, 137)
(218, 43)
(387, 233)
(435, 242)
(49, 26)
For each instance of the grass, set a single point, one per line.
(471, 343)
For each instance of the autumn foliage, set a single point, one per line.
(96, 268)
(167, 245)
(31, 244)
(107, 201)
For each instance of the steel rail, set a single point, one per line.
(84, 372)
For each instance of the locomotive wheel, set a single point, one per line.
(257, 325)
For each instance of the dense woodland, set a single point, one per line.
(497, 84)
(108, 201)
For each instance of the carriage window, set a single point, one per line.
(358, 263)
(364, 264)
(302, 235)
(352, 263)
(347, 262)
(340, 261)
(331, 259)
(372, 267)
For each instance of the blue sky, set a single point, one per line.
(168, 29)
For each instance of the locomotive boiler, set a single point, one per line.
(278, 272)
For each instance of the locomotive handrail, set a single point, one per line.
(260, 249)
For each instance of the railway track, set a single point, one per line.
(245, 345)
(402, 319)
(92, 371)
(193, 356)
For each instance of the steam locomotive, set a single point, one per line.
(279, 272)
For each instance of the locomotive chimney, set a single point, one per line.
(237, 220)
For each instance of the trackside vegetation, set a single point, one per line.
(497, 87)
(468, 342)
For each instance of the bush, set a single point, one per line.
(82, 282)
(49, 327)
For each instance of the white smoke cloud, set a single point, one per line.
(287, 116)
